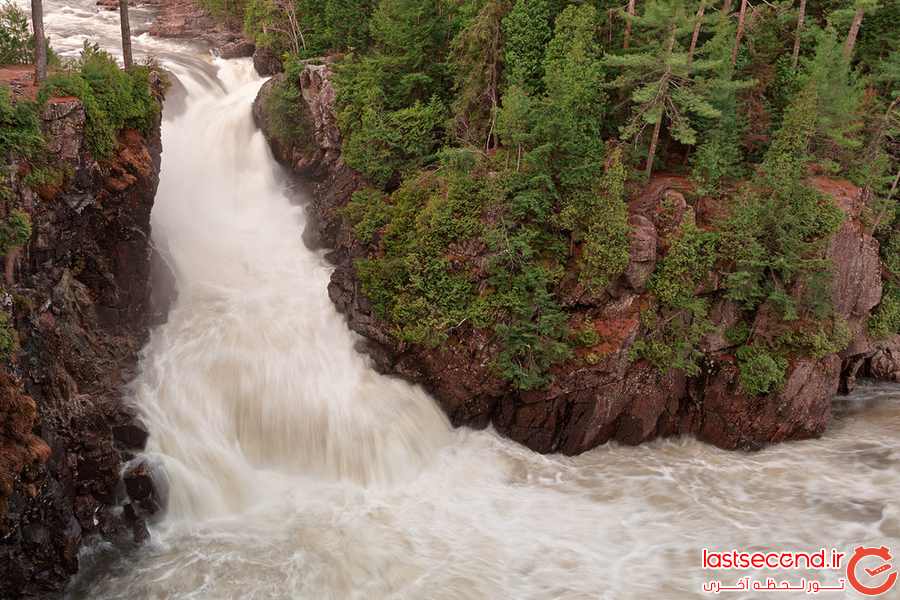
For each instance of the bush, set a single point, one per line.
(16, 46)
(761, 372)
(9, 340)
(15, 230)
(113, 99)
(285, 108)
(20, 127)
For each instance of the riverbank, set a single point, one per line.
(76, 311)
(603, 393)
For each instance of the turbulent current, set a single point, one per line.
(296, 471)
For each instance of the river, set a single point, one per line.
(296, 471)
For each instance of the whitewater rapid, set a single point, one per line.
(296, 471)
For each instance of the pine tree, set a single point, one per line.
(860, 9)
(661, 83)
(526, 30)
(477, 61)
(742, 19)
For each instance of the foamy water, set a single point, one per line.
(296, 471)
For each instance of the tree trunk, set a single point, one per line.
(696, 36)
(40, 40)
(126, 34)
(801, 14)
(651, 154)
(740, 32)
(726, 8)
(854, 32)
(628, 24)
(663, 92)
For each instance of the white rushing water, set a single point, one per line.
(297, 472)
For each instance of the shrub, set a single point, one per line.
(16, 46)
(9, 340)
(20, 127)
(15, 230)
(761, 372)
(113, 99)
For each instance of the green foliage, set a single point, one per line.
(689, 261)
(818, 339)
(20, 127)
(16, 45)
(9, 340)
(526, 30)
(586, 336)
(885, 321)
(777, 231)
(368, 213)
(476, 63)
(413, 284)
(675, 330)
(285, 108)
(761, 371)
(389, 105)
(600, 220)
(15, 230)
(113, 99)
(663, 85)
(388, 143)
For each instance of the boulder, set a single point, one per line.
(267, 62)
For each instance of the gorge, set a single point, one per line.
(292, 460)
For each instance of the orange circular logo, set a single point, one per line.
(871, 574)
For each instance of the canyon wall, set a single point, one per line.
(611, 396)
(80, 304)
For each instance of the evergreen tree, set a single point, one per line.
(477, 62)
(661, 82)
(526, 30)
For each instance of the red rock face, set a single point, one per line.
(602, 395)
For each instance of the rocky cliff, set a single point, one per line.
(610, 396)
(80, 306)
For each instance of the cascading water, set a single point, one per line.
(297, 472)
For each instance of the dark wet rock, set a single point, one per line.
(131, 435)
(267, 62)
(884, 362)
(147, 487)
(81, 312)
(801, 409)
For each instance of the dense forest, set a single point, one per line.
(515, 132)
